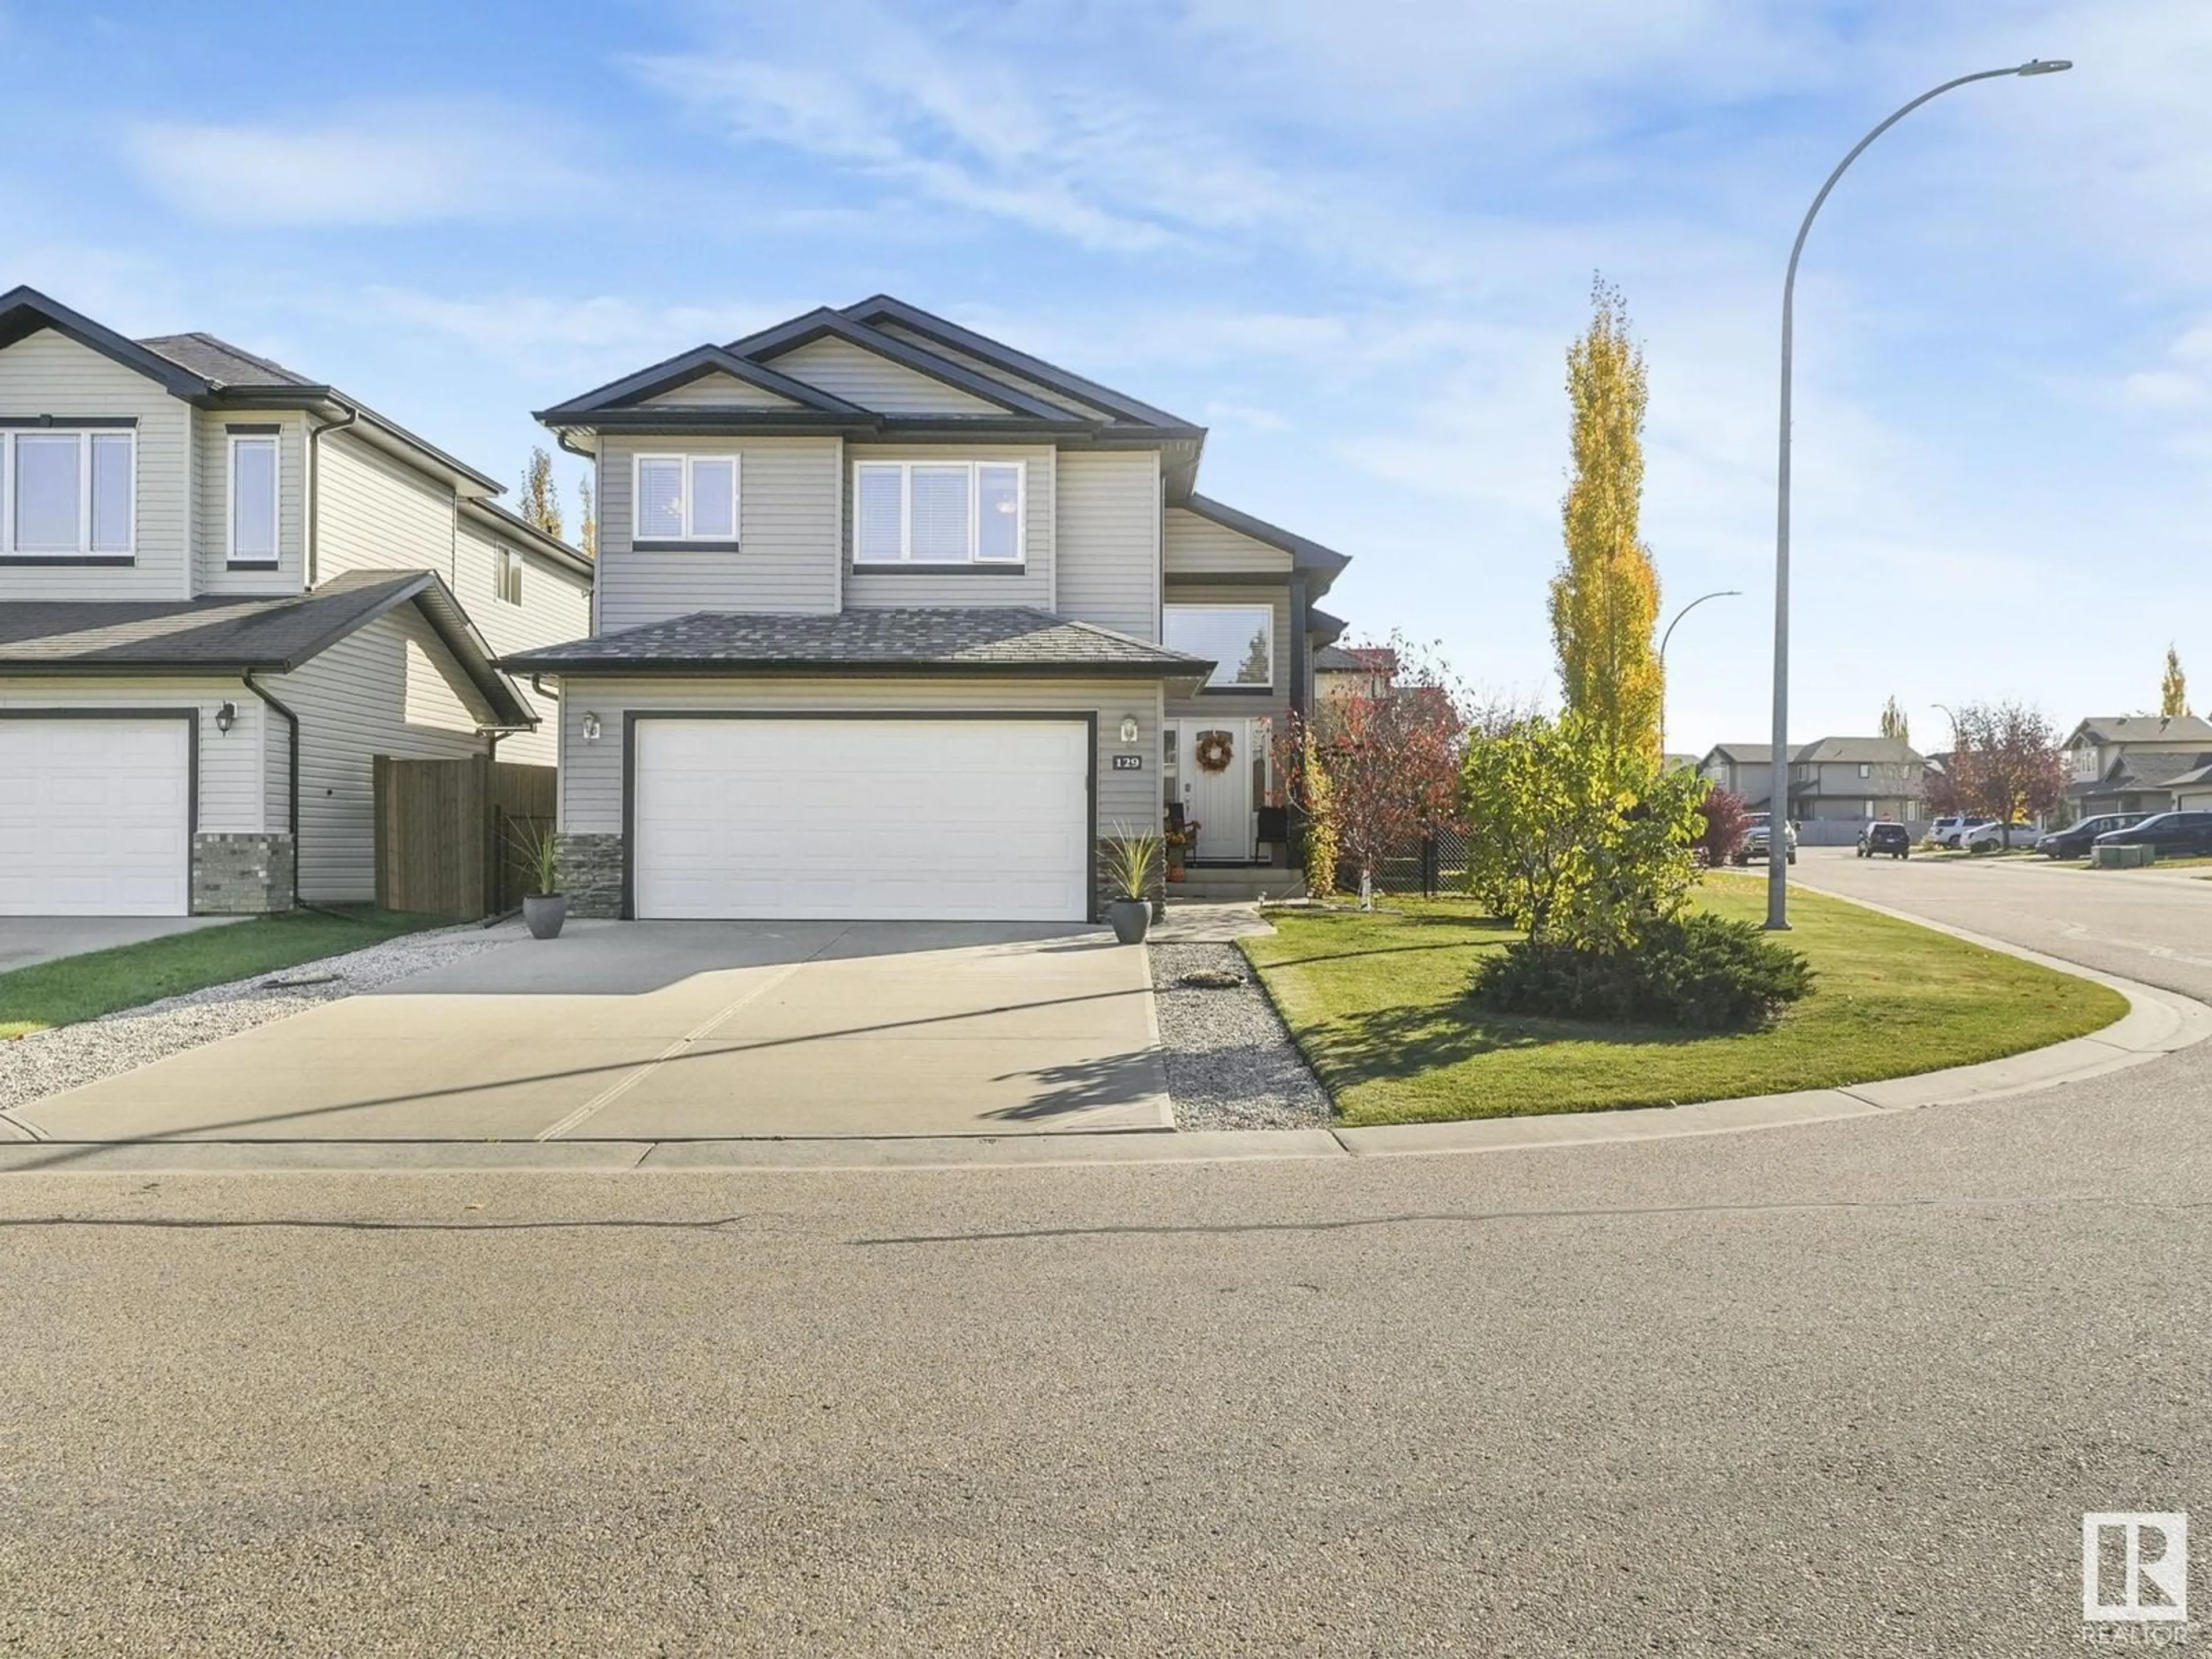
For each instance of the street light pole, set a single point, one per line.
(1718, 593)
(1778, 870)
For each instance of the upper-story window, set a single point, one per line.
(937, 511)
(506, 575)
(686, 498)
(254, 465)
(68, 495)
(1240, 638)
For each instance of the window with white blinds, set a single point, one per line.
(686, 498)
(937, 511)
(67, 494)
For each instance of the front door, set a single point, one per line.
(1216, 762)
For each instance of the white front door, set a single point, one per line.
(95, 817)
(1220, 801)
(872, 820)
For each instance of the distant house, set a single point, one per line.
(1832, 780)
(2135, 762)
(1353, 671)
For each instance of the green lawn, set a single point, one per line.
(1378, 1004)
(62, 992)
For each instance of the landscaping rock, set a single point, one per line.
(69, 1056)
(1230, 1064)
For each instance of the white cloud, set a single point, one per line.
(387, 164)
(588, 340)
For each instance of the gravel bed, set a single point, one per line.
(1230, 1064)
(69, 1056)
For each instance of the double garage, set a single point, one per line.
(96, 815)
(974, 818)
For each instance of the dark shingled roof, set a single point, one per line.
(1335, 659)
(895, 640)
(233, 634)
(225, 364)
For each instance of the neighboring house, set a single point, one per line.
(2133, 763)
(224, 589)
(896, 621)
(1353, 671)
(2192, 790)
(1832, 780)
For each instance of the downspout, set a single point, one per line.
(291, 782)
(315, 507)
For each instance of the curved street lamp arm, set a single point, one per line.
(1718, 593)
(1777, 882)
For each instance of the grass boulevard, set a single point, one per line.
(1378, 1004)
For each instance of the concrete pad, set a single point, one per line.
(27, 939)
(644, 1031)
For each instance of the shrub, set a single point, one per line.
(1693, 971)
(1725, 827)
(1320, 848)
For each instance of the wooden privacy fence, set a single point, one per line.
(449, 833)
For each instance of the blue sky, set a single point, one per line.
(1353, 240)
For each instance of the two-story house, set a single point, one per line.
(224, 589)
(1844, 781)
(2133, 763)
(896, 621)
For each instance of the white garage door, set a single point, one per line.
(862, 820)
(95, 817)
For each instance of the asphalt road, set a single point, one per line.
(1839, 1389)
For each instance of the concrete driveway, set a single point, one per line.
(681, 1030)
(27, 939)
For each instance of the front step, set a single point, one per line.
(1236, 885)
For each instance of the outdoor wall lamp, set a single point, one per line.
(1129, 728)
(226, 717)
(591, 726)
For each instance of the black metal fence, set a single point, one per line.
(1436, 863)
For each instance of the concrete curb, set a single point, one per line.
(2158, 1023)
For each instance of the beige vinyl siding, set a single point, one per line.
(717, 390)
(1107, 542)
(860, 376)
(390, 688)
(1200, 546)
(1276, 703)
(212, 519)
(50, 373)
(231, 795)
(379, 514)
(591, 774)
(556, 608)
(991, 371)
(788, 535)
(872, 585)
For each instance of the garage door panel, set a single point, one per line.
(921, 820)
(95, 817)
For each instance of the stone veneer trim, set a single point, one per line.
(590, 871)
(241, 875)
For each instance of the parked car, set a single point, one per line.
(1989, 834)
(1948, 831)
(2176, 835)
(1893, 839)
(1755, 840)
(2075, 840)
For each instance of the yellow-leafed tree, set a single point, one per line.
(1605, 600)
(2173, 689)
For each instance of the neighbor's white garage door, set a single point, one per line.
(95, 817)
(914, 820)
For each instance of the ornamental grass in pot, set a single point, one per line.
(544, 909)
(1130, 861)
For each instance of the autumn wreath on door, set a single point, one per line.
(1214, 751)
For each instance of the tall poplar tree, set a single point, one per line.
(2173, 689)
(587, 531)
(541, 497)
(1893, 722)
(1605, 600)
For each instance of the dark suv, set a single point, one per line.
(1891, 838)
(2176, 835)
(2073, 842)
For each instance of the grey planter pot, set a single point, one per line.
(543, 913)
(1132, 919)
